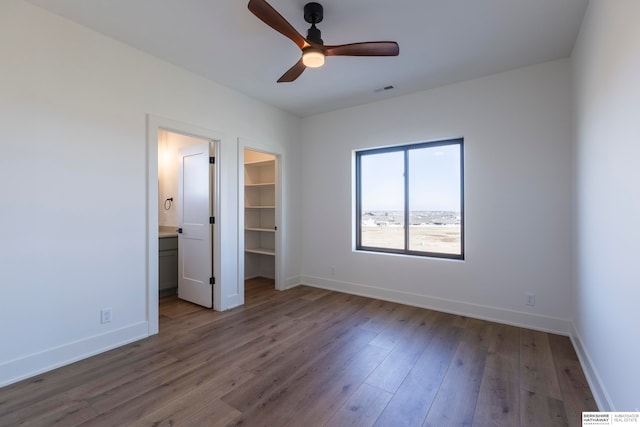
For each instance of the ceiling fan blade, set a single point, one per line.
(293, 72)
(267, 14)
(364, 49)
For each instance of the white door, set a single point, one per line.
(195, 253)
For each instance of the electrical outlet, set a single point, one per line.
(531, 300)
(105, 315)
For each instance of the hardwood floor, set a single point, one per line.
(309, 357)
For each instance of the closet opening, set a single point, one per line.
(261, 210)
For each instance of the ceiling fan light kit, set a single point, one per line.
(313, 48)
(312, 57)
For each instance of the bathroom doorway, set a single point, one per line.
(167, 214)
(186, 189)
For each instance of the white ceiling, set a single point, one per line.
(441, 42)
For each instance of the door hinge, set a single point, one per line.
(212, 220)
(212, 280)
(212, 160)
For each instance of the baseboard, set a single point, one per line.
(292, 282)
(232, 301)
(595, 382)
(37, 363)
(493, 314)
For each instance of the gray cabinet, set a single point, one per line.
(168, 265)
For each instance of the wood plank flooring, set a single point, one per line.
(309, 357)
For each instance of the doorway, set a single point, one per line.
(186, 188)
(165, 138)
(260, 216)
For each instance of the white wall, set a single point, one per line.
(73, 110)
(606, 66)
(517, 135)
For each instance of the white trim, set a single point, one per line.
(493, 314)
(37, 363)
(292, 282)
(596, 385)
(153, 125)
(240, 235)
(217, 214)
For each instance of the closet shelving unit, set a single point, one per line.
(259, 213)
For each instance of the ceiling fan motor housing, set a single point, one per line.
(313, 15)
(314, 35)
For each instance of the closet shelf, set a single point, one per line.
(259, 185)
(265, 230)
(261, 251)
(259, 207)
(261, 163)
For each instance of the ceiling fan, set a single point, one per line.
(313, 48)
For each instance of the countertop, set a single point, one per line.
(167, 231)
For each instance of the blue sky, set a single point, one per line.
(434, 180)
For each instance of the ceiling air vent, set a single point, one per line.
(382, 89)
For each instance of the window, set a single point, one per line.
(409, 199)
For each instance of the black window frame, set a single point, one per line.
(406, 148)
